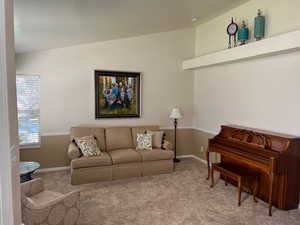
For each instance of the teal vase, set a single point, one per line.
(243, 34)
(259, 26)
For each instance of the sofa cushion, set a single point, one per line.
(157, 138)
(125, 156)
(118, 138)
(94, 161)
(97, 132)
(140, 130)
(156, 154)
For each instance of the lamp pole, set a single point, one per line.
(175, 135)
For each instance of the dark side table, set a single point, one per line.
(27, 169)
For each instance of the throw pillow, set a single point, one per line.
(144, 141)
(163, 141)
(73, 151)
(88, 146)
(157, 138)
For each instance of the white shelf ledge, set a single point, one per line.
(272, 46)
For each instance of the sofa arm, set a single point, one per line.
(69, 200)
(39, 214)
(167, 145)
(32, 187)
(73, 151)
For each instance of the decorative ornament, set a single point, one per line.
(259, 26)
(243, 34)
(232, 30)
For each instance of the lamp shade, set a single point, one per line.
(176, 114)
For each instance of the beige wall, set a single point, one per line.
(261, 93)
(67, 79)
(282, 16)
(67, 86)
(53, 152)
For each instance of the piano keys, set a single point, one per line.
(274, 157)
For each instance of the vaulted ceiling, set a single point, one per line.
(47, 24)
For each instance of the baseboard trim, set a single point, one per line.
(192, 156)
(53, 169)
(200, 160)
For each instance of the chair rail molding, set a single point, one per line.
(275, 45)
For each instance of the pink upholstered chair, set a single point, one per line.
(47, 207)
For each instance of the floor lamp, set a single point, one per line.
(176, 115)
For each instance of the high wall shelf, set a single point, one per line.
(280, 44)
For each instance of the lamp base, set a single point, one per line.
(176, 160)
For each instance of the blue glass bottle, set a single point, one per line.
(243, 34)
(259, 26)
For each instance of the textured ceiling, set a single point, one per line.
(47, 24)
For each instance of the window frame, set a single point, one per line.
(38, 144)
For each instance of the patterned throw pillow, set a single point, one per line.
(144, 141)
(88, 146)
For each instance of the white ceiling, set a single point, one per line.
(46, 24)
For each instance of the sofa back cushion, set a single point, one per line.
(139, 130)
(118, 138)
(97, 132)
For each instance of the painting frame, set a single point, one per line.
(99, 109)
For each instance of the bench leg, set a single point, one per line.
(208, 165)
(226, 182)
(212, 176)
(239, 191)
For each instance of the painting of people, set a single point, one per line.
(117, 94)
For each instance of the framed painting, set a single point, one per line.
(117, 94)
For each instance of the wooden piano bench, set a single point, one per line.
(239, 176)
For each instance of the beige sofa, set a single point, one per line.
(120, 158)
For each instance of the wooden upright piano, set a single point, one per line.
(274, 157)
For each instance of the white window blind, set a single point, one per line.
(28, 100)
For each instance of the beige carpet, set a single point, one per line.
(181, 198)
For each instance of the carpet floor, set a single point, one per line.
(180, 198)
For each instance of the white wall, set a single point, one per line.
(10, 210)
(281, 15)
(67, 78)
(262, 93)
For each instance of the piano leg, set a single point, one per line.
(208, 165)
(271, 176)
(271, 193)
(255, 189)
